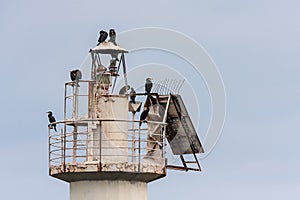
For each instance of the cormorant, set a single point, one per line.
(144, 115)
(148, 85)
(123, 90)
(112, 36)
(132, 95)
(153, 100)
(102, 37)
(51, 120)
(75, 75)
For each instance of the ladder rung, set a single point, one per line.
(190, 162)
(182, 168)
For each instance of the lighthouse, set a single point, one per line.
(102, 147)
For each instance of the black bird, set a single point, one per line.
(132, 95)
(51, 120)
(144, 115)
(123, 90)
(153, 100)
(112, 36)
(102, 37)
(148, 85)
(75, 75)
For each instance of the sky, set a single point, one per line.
(255, 45)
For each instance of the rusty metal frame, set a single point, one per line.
(185, 163)
(91, 118)
(63, 139)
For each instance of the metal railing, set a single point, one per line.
(84, 141)
(76, 97)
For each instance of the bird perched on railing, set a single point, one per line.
(75, 75)
(124, 89)
(148, 85)
(143, 116)
(102, 37)
(153, 100)
(51, 120)
(132, 95)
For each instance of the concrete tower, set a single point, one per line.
(101, 149)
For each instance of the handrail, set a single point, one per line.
(74, 147)
(104, 120)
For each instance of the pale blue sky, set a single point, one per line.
(255, 45)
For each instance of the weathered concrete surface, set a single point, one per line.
(108, 190)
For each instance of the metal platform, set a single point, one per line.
(146, 172)
(75, 156)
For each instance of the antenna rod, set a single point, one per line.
(173, 86)
(177, 86)
(180, 85)
(164, 86)
(159, 86)
(155, 87)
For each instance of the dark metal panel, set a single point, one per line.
(181, 133)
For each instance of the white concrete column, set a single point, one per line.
(108, 190)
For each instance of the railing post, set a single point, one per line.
(100, 145)
(65, 103)
(49, 147)
(63, 137)
(139, 165)
(133, 139)
(75, 132)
